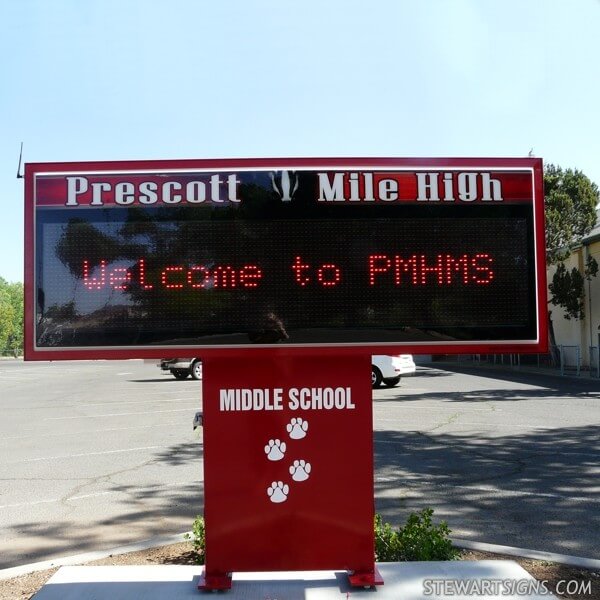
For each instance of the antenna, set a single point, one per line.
(19, 175)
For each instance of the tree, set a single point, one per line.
(567, 288)
(11, 318)
(570, 205)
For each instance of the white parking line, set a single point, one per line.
(63, 456)
(36, 434)
(83, 404)
(146, 412)
(94, 495)
(194, 399)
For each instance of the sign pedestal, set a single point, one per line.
(288, 467)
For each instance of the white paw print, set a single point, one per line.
(275, 450)
(297, 428)
(300, 470)
(278, 492)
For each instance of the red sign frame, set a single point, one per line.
(288, 467)
(530, 168)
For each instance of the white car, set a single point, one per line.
(389, 369)
(384, 369)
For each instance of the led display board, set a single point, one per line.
(154, 258)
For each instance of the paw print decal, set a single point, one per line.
(300, 470)
(297, 428)
(278, 492)
(275, 450)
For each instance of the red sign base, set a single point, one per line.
(214, 582)
(288, 467)
(365, 579)
(223, 582)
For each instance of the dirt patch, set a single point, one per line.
(24, 587)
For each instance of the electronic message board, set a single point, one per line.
(142, 259)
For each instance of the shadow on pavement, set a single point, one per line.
(543, 480)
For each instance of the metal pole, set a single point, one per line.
(562, 368)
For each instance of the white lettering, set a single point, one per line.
(354, 188)
(293, 404)
(427, 187)
(448, 188)
(124, 193)
(491, 189)
(97, 189)
(246, 399)
(329, 191)
(368, 177)
(227, 398)
(215, 182)
(195, 192)
(304, 398)
(166, 192)
(278, 399)
(467, 187)
(326, 398)
(75, 187)
(148, 190)
(232, 186)
(388, 190)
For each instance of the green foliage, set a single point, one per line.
(567, 288)
(419, 539)
(11, 318)
(387, 542)
(570, 205)
(198, 538)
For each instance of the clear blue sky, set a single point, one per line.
(133, 79)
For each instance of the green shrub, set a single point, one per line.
(418, 539)
(198, 538)
(387, 542)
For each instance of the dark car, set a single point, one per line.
(182, 368)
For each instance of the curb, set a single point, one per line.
(156, 542)
(563, 559)
(86, 557)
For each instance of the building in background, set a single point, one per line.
(581, 333)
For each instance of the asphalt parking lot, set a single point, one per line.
(506, 458)
(100, 454)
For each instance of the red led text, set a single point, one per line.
(327, 275)
(380, 270)
(174, 277)
(440, 270)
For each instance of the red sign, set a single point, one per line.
(329, 186)
(288, 466)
